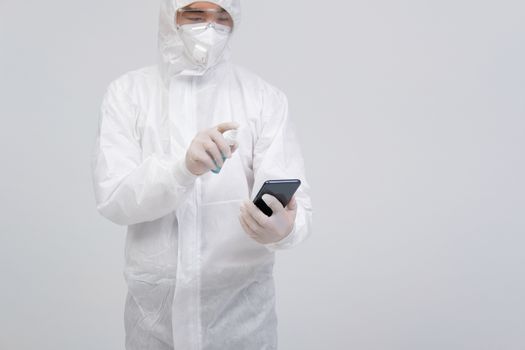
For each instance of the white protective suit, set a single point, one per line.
(195, 279)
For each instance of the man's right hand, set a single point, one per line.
(207, 147)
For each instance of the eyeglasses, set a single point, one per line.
(200, 16)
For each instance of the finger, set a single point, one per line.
(221, 143)
(234, 147)
(292, 205)
(227, 126)
(204, 158)
(273, 203)
(250, 221)
(246, 228)
(214, 152)
(256, 214)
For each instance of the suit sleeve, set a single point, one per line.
(130, 189)
(277, 155)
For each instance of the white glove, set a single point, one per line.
(268, 229)
(209, 149)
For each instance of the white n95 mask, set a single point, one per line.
(205, 42)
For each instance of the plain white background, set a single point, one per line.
(411, 115)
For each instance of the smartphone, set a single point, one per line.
(283, 190)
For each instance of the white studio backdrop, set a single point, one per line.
(411, 115)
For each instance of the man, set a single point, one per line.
(199, 254)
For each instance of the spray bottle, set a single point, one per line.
(231, 138)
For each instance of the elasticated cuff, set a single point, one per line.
(181, 173)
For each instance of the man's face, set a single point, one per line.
(203, 12)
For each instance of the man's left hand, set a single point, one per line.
(268, 229)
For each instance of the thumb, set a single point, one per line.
(272, 202)
(223, 127)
